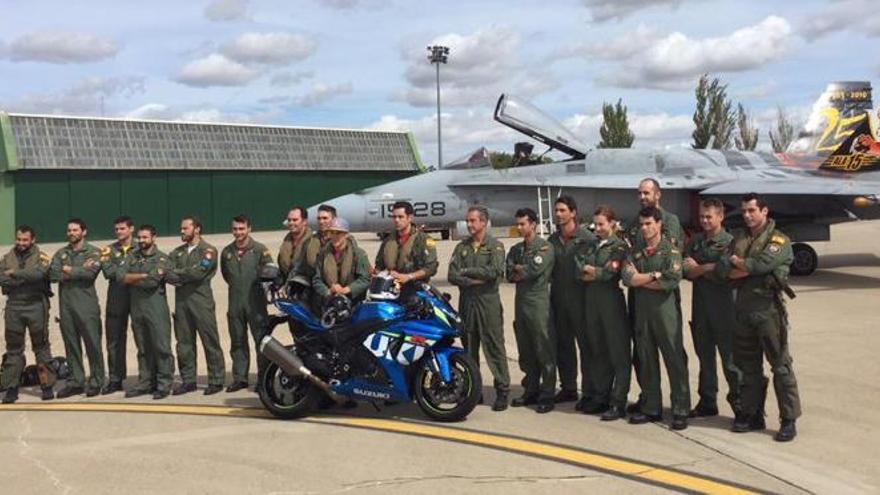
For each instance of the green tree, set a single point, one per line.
(500, 159)
(747, 139)
(714, 118)
(615, 132)
(784, 132)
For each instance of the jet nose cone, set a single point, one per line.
(351, 207)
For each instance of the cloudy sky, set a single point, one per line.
(362, 63)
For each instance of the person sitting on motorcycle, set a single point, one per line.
(342, 268)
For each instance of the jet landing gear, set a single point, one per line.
(805, 259)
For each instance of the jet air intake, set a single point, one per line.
(526, 118)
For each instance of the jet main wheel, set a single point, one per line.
(805, 259)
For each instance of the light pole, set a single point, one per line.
(438, 55)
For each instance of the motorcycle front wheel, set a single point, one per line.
(451, 401)
(285, 396)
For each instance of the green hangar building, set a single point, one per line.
(53, 168)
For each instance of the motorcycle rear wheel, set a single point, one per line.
(285, 396)
(455, 400)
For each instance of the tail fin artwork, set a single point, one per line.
(840, 113)
(859, 152)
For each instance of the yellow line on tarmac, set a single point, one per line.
(618, 466)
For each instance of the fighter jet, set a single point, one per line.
(829, 174)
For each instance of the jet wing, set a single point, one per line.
(826, 186)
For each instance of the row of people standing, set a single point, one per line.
(584, 325)
(137, 273)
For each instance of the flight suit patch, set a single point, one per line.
(538, 260)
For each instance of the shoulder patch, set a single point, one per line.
(105, 251)
(430, 242)
(777, 239)
(209, 254)
(774, 247)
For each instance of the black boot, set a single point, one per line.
(566, 396)
(704, 410)
(47, 393)
(69, 391)
(111, 387)
(787, 431)
(11, 395)
(525, 400)
(613, 413)
(545, 406)
(500, 403)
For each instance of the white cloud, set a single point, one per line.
(320, 93)
(60, 48)
(617, 48)
(216, 70)
(197, 113)
(605, 10)
(339, 4)
(270, 48)
(463, 131)
(151, 111)
(676, 61)
(857, 16)
(481, 66)
(88, 96)
(227, 10)
(651, 130)
(286, 79)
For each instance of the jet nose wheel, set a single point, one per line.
(805, 259)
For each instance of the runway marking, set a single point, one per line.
(615, 465)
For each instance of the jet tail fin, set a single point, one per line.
(858, 152)
(842, 110)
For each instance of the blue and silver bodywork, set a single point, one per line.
(401, 341)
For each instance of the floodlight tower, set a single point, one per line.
(438, 55)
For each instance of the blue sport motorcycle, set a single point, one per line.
(396, 346)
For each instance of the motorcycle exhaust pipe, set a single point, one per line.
(291, 364)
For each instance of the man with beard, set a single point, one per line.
(758, 269)
(118, 305)
(75, 268)
(567, 306)
(299, 250)
(408, 253)
(476, 268)
(342, 267)
(24, 282)
(298, 256)
(193, 265)
(241, 263)
(649, 196)
(144, 272)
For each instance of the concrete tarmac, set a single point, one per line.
(153, 447)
